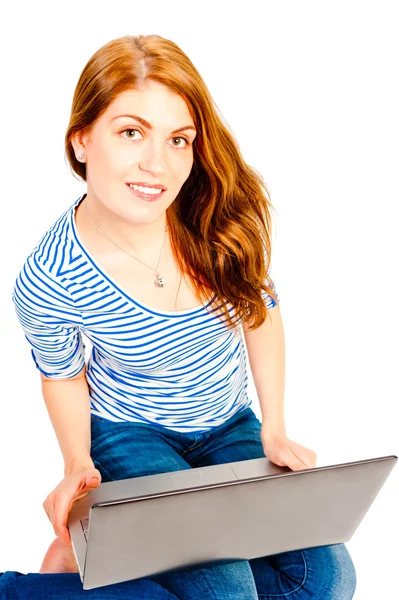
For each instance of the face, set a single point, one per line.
(122, 149)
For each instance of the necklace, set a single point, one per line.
(159, 281)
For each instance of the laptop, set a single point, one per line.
(223, 513)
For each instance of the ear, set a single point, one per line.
(79, 141)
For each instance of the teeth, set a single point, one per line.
(145, 190)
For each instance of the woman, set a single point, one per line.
(164, 265)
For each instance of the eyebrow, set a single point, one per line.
(149, 126)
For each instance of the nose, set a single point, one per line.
(153, 158)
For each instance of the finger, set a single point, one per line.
(306, 455)
(92, 481)
(307, 451)
(293, 461)
(281, 454)
(84, 488)
(301, 456)
(63, 503)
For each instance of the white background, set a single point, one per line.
(310, 90)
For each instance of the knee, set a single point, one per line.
(337, 571)
(346, 572)
(8, 584)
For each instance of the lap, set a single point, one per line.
(124, 450)
(324, 571)
(121, 450)
(240, 441)
(128, 451)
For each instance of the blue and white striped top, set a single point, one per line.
(183, 370)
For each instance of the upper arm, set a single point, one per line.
(50, 323)
(274, 319)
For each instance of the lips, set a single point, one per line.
(146, 197)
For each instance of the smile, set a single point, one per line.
(145, 193)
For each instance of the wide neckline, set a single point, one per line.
(112, 281)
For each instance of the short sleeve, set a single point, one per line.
(268, 299)
(50, 322)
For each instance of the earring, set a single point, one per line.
(81, 156)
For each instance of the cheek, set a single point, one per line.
(103, 159)
(115, 156)
(181, 165)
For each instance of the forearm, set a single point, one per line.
(68, 405)
(266, 353)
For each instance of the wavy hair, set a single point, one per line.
(220, 221)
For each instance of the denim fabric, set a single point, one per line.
(123, 450)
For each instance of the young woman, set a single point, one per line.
(164, 265)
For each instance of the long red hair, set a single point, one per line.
(220, 222)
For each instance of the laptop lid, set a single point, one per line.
(221, 513)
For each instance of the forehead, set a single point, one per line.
(153, 102)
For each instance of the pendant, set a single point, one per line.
(159, 281)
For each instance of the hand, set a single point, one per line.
(59, 502)
(284, 452)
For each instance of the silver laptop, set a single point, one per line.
(204, 516)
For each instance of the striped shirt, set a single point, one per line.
(183, 370)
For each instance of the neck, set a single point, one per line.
(140, 239)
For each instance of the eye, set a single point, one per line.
(180, 146)
(130, 138)
(177, 147)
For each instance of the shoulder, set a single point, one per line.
(53, 243)
(41, 274)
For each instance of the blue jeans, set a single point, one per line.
(123, 450)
